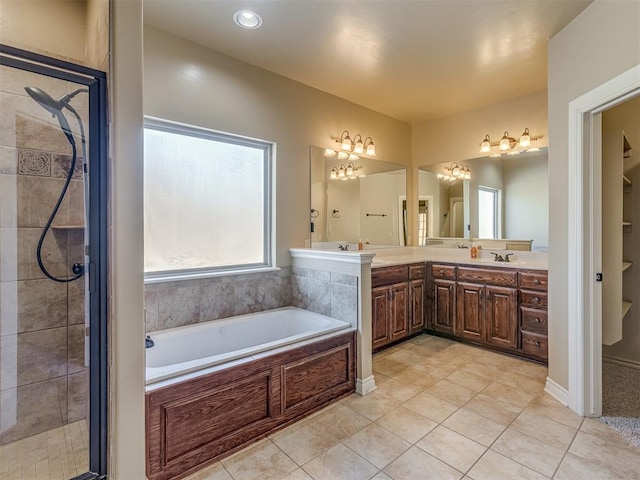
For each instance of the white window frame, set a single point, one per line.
(496, 209)
(269, 149)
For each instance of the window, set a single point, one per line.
(423, 232)
(488, 212)
(207, 201)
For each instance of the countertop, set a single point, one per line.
(403, 255)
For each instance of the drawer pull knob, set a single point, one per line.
(537, 320)
(450, 288)
(536, 281)
(537, 343)
(536, 299)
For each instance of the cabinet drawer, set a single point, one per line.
(507, 278)
(533, 320)
(416, 271)
(533, 280)
(533, 299)
(446, 272)
(389, 275)
(534, 344)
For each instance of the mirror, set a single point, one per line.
(505, 198)
(366, 204)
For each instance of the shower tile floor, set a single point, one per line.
(441, 410)
(58, 454)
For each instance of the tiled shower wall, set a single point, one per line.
(175, 304)
(43, 378)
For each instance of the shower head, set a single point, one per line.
(54, 107)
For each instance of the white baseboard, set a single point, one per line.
(365, 386)
(623, 362)
(556, 391)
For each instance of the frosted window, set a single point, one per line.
(487, 213)
(206, 200)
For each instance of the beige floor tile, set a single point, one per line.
(545, 429)
(416, 464)
(377, 445)
(303, 443)
(451, 392)
(530, 369)
(469, 380)
(380, 378)
(431, 407)
(415, 376)
(527, 450)
(506, 393)
(607, 454)
(493, 466)
(576, 468)
(436, 368)
(371, 406)
(484, 370)
(407, 424)
(474, 426)
(213, 472)
(534, 385)
(387, 367)
(340, 421)
(405, 356)
(548, 406)
(452, 448)
(398, 391)
(382, 476)
(298, 474)
(340, 463)
(263, 460)
(596, 427)
(493, 409)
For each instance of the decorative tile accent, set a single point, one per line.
(60, 165)
(34, 162)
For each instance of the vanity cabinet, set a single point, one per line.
(502, 308)
(397, 302)
(488, 306)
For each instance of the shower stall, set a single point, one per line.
(53, 194)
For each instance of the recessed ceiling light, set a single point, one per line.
(247, 19)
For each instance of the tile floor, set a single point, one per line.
(58, 454)
(442, 410)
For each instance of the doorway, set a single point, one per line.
(53, 288)
(584, 235)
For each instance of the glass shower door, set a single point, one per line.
(44, 301)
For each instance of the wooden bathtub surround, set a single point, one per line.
(196, 422)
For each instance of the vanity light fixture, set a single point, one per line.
(508, 144)
(455, 171)
(346, 147)
(344, 173)
(247, 19)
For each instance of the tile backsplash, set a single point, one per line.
(174, 304)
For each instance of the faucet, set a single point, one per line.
(462, 245)
(499, 258)
(148, 343)
(344, 247)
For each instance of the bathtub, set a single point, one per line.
(215, 387)
(182, 350)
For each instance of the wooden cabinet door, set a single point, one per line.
(443, 318)
(399, 312)
(501, 316)
(380, 311)
(470, 318)
(416, 298)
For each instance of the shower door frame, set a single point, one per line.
(96, 82)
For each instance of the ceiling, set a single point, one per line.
(413, 60)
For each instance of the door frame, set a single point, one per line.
(452, 217)
(96, 81)
(584, 238)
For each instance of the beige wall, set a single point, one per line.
(191, 84)
(601, 43)
(126, 332)
(457, 137)
(96, 52)
(51, 27)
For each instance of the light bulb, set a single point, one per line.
(350, 169)
(341, 172)
(456, 171)
(329, 152)
(485, 147)
(334, 173)
(343, 155)
(504, 142)
(346, 142)
(371, 148)
(358, 147)
(467, 174)
(525, 139)
(353, 157)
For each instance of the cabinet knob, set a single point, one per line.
(537, 320)
(450, 288)
(536, 300)
(536, 281)
(537, 343)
